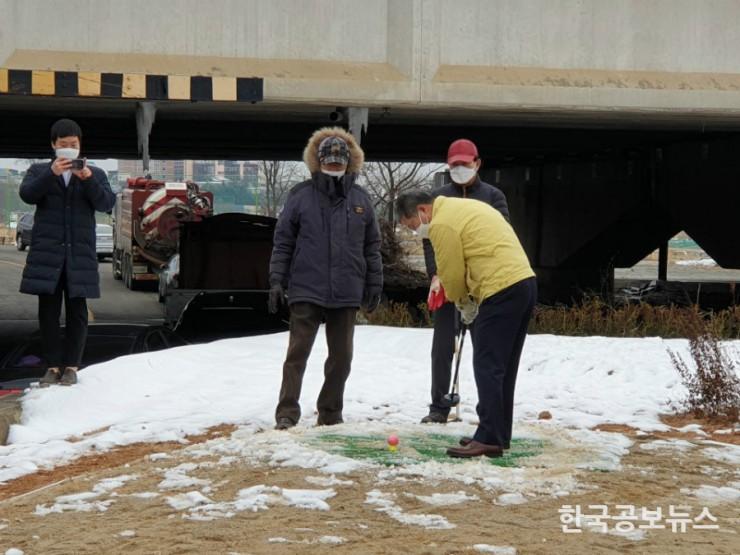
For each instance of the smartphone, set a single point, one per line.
(78, 163)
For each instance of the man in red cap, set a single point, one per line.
(463, 162)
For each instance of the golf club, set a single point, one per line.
(452, 399)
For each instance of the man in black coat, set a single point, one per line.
(62, 262)
(464, 163)
(326, 256)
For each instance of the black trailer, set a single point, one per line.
(218, 282)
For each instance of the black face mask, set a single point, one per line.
(338, 187)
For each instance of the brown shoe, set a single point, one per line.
(69, 377)
(52, 377)
(465, 440)
(475, 449)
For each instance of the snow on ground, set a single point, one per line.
(698, 262)
(495, 549)
(167, 395)
(714, 494)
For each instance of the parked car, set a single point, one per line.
(23, 231)
(24, 362)
(104, 240)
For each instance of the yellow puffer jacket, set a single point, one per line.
(477, 251)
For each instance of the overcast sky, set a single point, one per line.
(20, 164)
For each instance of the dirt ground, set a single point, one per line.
(648, 478)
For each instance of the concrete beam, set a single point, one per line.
(594, 57)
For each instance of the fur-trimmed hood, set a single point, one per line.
(311, 152)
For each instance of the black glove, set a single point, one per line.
(371, 299)
(276, 299)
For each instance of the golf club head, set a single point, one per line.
(451, 400)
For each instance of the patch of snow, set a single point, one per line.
(495, 549)
(177, 478)
(445, 499)
(635, 535)
(14, 551)
(73, 506)
(327, 481)
(308, 499)
(332, 540)
(511, 499)
(714, 494)
(386, 505)
(255, 498)
(127, 534)
(723, 452)
(110, 484)
(668, 444)
(188, 500)
(699, 262)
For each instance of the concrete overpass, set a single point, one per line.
(611, 124)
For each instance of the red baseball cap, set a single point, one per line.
(462, 150)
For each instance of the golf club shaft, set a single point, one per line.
(455, 380)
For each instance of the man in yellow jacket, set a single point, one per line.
(485, 272)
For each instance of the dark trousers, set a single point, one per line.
(446, 327)
(75, 334)
(305, 319)
(498, 339)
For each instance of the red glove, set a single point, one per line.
(436, 297)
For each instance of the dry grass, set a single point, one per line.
(710, 378)
(399, 315)
(596, 317)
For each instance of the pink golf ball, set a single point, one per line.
(393, 440)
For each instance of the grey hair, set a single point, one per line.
(407, 204)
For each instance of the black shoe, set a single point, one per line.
(284, 423)
(321, 421)
(465, 440)
(52, 377)
(434, 417)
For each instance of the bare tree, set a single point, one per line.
(385, 181)
(279, 177)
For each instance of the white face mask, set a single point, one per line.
(337, 173)
(69, 153)
(461, 174)
(423, 229)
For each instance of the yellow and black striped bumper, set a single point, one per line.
(130, 86)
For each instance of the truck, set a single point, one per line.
(146, 222)
(212, 271)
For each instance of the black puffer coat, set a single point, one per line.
(478, 190)
(63, 233)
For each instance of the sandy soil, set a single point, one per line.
(648, 478)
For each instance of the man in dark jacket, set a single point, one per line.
(62, 262)
(464, 163)
(326, 256)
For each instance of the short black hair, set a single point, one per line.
(407, 204)
(65, 128)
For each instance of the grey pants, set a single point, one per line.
(305, 319)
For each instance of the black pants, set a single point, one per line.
(305, 319)
(75, 334)
(498, 339)
(446, 327)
